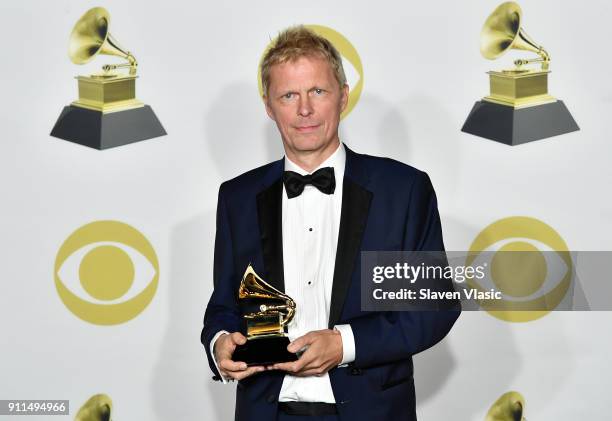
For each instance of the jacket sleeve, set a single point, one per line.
(398, 335)
(222, 312)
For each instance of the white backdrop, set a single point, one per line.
(198, 70)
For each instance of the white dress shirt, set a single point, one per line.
(310, 225)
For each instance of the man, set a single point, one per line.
(302, 222)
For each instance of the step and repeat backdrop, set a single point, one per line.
(107, 254)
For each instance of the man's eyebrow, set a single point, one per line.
(285, 91)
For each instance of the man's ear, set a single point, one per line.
(266, 100)
(344, 96)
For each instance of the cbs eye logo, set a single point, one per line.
(351, 63)
(106, 272)
(529, 263)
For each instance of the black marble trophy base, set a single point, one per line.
(102, 131)
(264, 351)
(512, 126)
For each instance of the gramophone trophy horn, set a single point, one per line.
(502, 32)
(97, 408)
(90, 37)
(518, 108)
(107, 113)
(509, 407)
(268, 311)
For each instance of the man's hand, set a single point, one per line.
(224, 348)
(324, 352)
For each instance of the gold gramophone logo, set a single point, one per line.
(529, 263)
(351, 62)
(107, 113)
(519, 108)
(508, 407)
(106, 272)
(97, 408)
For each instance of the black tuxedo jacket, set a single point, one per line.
(386, 205)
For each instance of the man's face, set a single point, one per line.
(305, 101)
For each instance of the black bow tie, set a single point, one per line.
(323, 179)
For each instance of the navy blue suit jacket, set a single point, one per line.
(386, 205)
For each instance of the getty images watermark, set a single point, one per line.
(531, 280)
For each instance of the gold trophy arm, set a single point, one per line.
(289, 316)
(265, 309)
(544, 59)
(288, 308)
(132, 64)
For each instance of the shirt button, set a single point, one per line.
(309, 282)
(310, 229)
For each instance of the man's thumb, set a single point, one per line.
(238, 338)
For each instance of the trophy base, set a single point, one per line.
(264, 351)
(99, 130)
(514, 126)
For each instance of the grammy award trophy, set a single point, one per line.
(107, 113)
(270, 311)
(519, 108)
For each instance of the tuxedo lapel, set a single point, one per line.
(270, 219)
(354, 214)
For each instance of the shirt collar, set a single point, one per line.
(337, 160)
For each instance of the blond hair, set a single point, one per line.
(296, 42)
